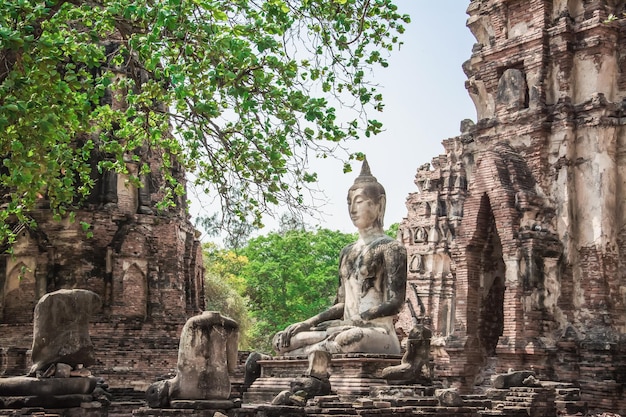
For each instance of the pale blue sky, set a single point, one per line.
(425, 101)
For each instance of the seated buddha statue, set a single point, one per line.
(372, 286)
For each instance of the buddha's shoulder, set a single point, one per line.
(386, 245)
(376, 246)
(347, 249)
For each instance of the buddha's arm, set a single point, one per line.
(336, 311)
(284, 338)
(333, 313)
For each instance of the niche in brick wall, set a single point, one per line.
(19, 291)
(492, 316)
(130, 273)
(512, 90)
(486, 280)
(445, 325)
(135, 292)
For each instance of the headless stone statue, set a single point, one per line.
(61, 351)
(372, 274)
(61, 329)
(207, 353)
(416, 365)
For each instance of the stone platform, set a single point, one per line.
(195, 408)
(351, 375)
(89, 409)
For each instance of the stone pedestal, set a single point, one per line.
(180, 412)
(351, 375)
(63, 410)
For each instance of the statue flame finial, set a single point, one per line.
(366, 174)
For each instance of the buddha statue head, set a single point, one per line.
(367, 188)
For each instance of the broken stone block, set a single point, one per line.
(382, 404)
(415, 366)
(63, 370)
(510, 379)
(363, 403)
(449, 397)
(24, 385)
(314, 383)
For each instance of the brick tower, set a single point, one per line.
(145, 264)
(516, 236)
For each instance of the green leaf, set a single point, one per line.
(205, 89)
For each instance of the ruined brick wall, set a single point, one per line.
(144, 262)
(145, 265)
(533, 252)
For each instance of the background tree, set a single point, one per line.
(224, 288)
(276, 279)
(290, 277)
(248, 90)
(393, 230)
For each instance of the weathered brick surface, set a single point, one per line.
(146, 267)
(542, 210)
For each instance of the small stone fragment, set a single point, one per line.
(282, 398)
(80, 373)
(91, 404)
(63, 370)
(363, 403)
(449, 397)
(510, 379)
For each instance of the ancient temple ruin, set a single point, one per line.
(145, 264)
(514, 237)
(516, 234)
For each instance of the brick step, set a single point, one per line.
(472, 397)
(334, 415)
(568, 394)
(526, 404)
(505, 411)
(519, 399)
(413, 402)
(516, 411)
(570, 407)
(336, 412)
(333, 404)
(127, 394)
(477, 403)
(522, 395)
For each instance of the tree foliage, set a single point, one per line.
(224, 288)
(248, 89)
(290, 277)
(276, 279)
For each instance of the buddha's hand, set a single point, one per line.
(291, 330)
(357, 320)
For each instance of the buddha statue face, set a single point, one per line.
(366, 205)
(366, 200)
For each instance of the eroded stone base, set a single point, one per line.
(89, 409)
(351, 377)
